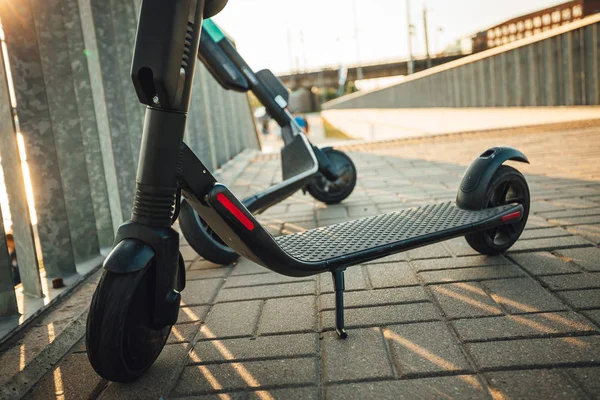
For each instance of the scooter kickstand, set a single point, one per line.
(339, 287)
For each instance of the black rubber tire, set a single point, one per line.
(121, 342)
(507, 186)
(202, 239)
(321, 188)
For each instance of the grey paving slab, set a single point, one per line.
(459, 262)
(543, 233)
(409, 294)
(200, 292)
(262, 279)
(450, 387)
(308, 393)
(72, 378)
(354, 279)
(464, 300)
(582, 299)
(424, 349)
(522, 326)
(548, 352)
(437, 250)
(471, 274)
(522, 295)
(188, 253)
(197, 274)
(183, 333)
(192, 314)
(391, 275)
(246, 267)
(157, 382)
(594, 315)
(289, 314)
(393, 258)
(363, 355)
(549, 243)
(588, 232)
(246, 375)
(262, 347)
(588, 258)
(233, 319)
(572, 281)
(543, 263)
(266, 292)
(380, 316)
(459, 247)
(587, 378)
(537, 384)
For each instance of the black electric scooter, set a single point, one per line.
(332, 183)
(137, 299)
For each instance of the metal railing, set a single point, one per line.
(559, 67)
(70, 137)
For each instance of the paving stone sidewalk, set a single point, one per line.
(434, 322)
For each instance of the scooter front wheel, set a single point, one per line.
(330, 192)
(122, 343)
(204, 240)
(506, 187)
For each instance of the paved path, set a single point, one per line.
(377, 124)
(434, 322)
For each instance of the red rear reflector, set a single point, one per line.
(235, 211)
(511, 216)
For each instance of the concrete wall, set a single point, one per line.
(80, 122)
(557, 68)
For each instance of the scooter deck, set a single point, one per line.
(397, 230)
(341, 245)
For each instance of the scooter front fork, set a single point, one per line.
(326, 167)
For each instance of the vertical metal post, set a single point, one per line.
(104, 146)
(42, 106)
(567, 70)
(516, 96)
(8, 300)
(80, 56)
(595, 62)
(359, 71)
(110, 64)
(63, 109)
(121, 16)
(411, 62)
(426, 37)
(211, 130)
(533, 74)
(17, 196)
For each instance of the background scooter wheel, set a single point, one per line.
(506, 186)
(334, 192)
(203, 240)
(121, 342)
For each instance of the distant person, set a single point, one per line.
(302, 122)
(265, 126)
(12, 254)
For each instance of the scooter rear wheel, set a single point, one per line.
(334, 192)
(122, 343)
(506, 187)
(204, 240)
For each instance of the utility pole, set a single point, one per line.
(411, 61)
(426, 36)
(359, 71)
(303, 51)
(290, 53)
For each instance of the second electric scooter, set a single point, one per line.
(331, 184)
(137, 300)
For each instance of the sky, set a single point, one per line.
(285, 35)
